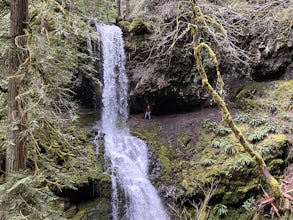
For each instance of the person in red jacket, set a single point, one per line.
(148, 112)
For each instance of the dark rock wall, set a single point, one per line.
(273, 60)
(173, 84)
(168, 85)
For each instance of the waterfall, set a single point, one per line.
(133, 195)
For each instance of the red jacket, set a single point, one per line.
(148, 109)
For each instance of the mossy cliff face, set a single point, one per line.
(204, 153)
(91, 199)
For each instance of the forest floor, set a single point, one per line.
(170, 125)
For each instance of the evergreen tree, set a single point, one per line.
(16, 151)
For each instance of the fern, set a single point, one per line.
(225, 147)
(249, 205)
(245, 161)
(222, 131)
(244, 118)
(260, 120)
(208, 162)
(221, 144)
(209, 125)
(274, 128)
(258, 136)
(230, 149)
(220, 210)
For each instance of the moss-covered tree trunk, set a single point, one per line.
(270, 180)
(16, 151)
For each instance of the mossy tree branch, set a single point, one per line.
(270, 180)
(195, 25)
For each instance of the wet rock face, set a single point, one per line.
(173, 85)
(168, 85)
(273, 60)
(167, 88)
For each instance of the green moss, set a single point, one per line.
(104, 178)
(249, 186)
(105, 185)
(274, 147)
(282, 90)
(276, 140)
(71, 212)
(274, 166)
(272, 97)
(87, 118)
(99, 164)
(199, 164)
(245, 93)
(237, 191)
(275, 189)
(161, 151)
(79, 135)
(98, 209)
(124, 25)
(139, 26)
(165, 161)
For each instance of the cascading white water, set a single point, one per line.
(127, 155)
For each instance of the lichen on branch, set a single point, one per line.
(195, 25)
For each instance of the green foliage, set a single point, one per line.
(103, 10)
(224, 146)
(222, 130)
(209, 125)
(23, 196)
(288, 116)
(58, 156)
(219, 143)
(220, 210)
(245, 161)
(244, 118)
(249, 205)
(231, 170)
(260, 120)
(264, 131)
(208, 162)
(3, 8)
(274, 128)
(251, 120)
(231, 149)
(258, 136)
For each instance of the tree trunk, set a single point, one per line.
(16, 151)
(120, 9)
(127, 12)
